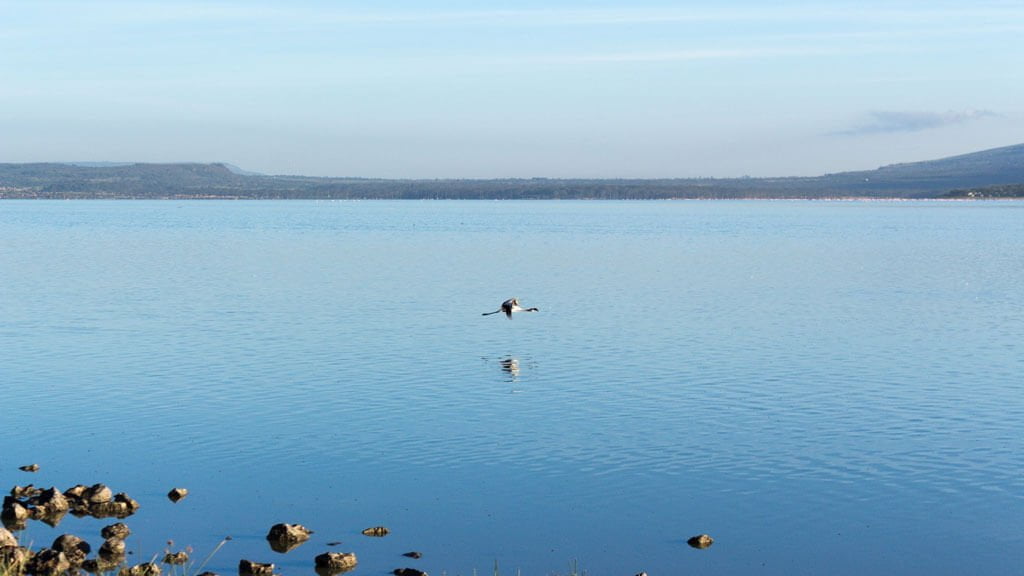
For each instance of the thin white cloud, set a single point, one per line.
(893, 121)
(298, 13)
(684, 55)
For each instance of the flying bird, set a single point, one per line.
(509, 306)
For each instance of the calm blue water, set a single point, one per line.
(824, 387)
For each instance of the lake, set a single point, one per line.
(823, 387)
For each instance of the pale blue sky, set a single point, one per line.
(511, 89)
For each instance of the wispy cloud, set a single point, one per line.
(369, 13)
(891, 121)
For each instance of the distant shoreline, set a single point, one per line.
(837, 199)
(989, 174)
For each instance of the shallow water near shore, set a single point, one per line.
(821, 386)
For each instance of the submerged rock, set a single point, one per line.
(29, 468)
(408, 572)
(177, 494)
(335, 562)
(376, 531)
(701, 541)
(416, 555)
(74, 548)
(250, 568)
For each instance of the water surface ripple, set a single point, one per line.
(822, 386)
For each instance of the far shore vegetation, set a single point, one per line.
(996, 173)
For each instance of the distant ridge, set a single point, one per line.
(998, 172)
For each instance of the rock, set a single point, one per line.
(29, 468)
(209, 574)
(119, 531)
(416, 555)
(109, 510)
(408, 572)
(13, 510)
(76, 492)
(176, 559)
(147, 569)
(335, 562)
(286, 537)
(112, 548)
(47, 562)
(128, 501)
(250, 568)
(121, 506)
(25, 491)
(74, 548)
(6, 538)
(97, 494)
(701, 541)
(49, 502)
(376, 531)
(290, 532)
(177, 494)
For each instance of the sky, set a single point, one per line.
(488, 89)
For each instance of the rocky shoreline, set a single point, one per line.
(70, 554)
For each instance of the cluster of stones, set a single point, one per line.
(285, 537)
(50, 505)
(68, 552)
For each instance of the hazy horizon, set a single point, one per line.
(458, 89)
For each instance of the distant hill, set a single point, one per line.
(991, 173)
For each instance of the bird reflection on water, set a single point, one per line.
(510, 366)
